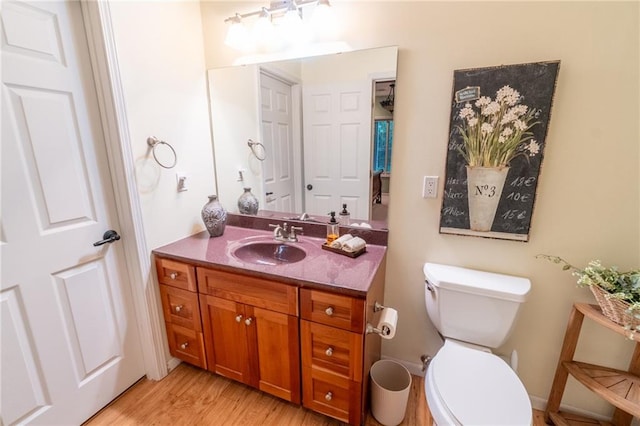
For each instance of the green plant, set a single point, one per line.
(496, 131)
(619, 285)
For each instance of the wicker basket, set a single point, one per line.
(614, 309)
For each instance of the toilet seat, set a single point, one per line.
(474, 387)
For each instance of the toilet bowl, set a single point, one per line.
(469, 386)
(474, 311)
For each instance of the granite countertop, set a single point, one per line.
(320, 269)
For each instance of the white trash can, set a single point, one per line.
(390, 386)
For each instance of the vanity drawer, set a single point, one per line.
(335, 310)
(258, 292)
(332, 395)
(186, 344)
(335, 350)
(181, 307)
(176, 274)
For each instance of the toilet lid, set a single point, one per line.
(479, 388)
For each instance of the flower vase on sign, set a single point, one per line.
(494, 132)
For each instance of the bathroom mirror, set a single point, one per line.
(307, 135)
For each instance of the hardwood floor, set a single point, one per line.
(192, 396)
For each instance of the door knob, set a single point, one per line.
(309, 187)
(108, 237)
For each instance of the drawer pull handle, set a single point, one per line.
(329, 311)
(329, 351)
(178, 308)
(173, 275)
(184, 345)
(248, 321)
(328, 396)
(238, 318)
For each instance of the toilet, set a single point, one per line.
(474, 311)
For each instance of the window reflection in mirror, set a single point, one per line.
(327, 138)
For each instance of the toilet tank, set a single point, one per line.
(473, 306)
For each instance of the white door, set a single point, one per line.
(69, 337)
(337, 147)
(277, 137)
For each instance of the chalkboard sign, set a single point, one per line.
(523, 92)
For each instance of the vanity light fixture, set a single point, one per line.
(280, 23)
(390, 100)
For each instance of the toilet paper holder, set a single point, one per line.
(382, 331)
(377, 307)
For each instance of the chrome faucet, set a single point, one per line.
(304, 216)
(281, 233)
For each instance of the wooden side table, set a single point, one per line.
(619, 388)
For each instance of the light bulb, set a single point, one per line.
(237, 36)
(322, 20)
(292, 28)
(263, 31)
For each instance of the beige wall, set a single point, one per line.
(588, 195)
(235, 102)
(159, 48)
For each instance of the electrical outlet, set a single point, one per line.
(430, 187)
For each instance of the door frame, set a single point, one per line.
(102, 51)
(374, 78)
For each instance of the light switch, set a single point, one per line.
(181, 177)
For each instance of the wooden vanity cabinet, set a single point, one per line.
(178, 291)
(304, 345)
(251, 331)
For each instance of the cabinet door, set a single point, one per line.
(332, 349)
(225, 335)
(276, 340)
(186, 344)
(180, 307)
(176, 274)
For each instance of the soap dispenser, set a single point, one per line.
(333, 228)
(344, 216)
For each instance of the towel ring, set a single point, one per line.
(253, 145)
(153, 142)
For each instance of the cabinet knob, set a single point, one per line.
(329, 351)
(173, 275)
(178, 308)
(248, 321)
(329, 311)
(184, 345)
(238, 318)
(328, 396)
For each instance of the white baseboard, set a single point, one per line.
(414, 368)
(541, 404)
(172, 363)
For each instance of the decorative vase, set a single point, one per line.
(248, 203)
(484, 188)
(214, 216)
